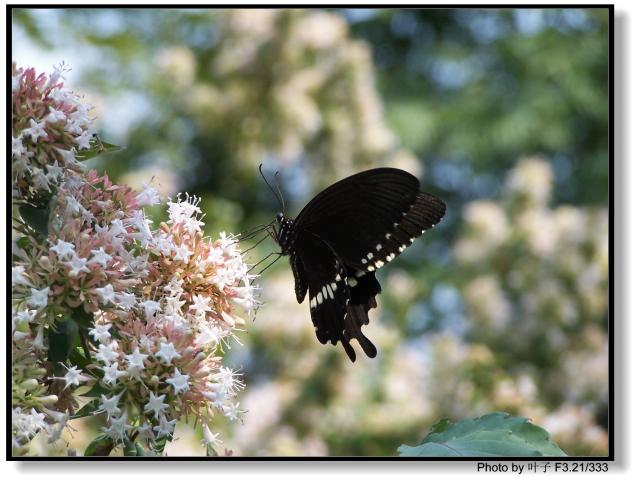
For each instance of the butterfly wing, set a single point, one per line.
(371, 217)
(327, 287)
(301, 280)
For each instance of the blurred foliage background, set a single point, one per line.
(503, 113)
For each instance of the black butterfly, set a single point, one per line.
(343, 236)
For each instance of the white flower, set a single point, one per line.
(101, 332)
(232, 411)
(68, 156)
(100, 256)
(226, 381)
(118, 428)
(54, 172)
(73, 376)
(84, 140)
(39, 298)
(165, 427)
(63, 249)
(182, 253)
(167, 353)
(111, 372)
(55, 115)
(15, 82)
(109, 405)
(21, 165)
(148, 196)
(107, 353)
(17, 147)
(54, 77)
(150, 308)
(244, 297)
(22, 317)
(174, 287)
(117, 229)
(17, 276)
(200, 305)
(155, 404)
(125, 301)
(182, 210)
(209, 335)
(106, 294)
(76, 266)
(210, 439)
(136, 360)
(40, 180)
(193, 225)
(179, 381)
(73, 206)
(36, 130)
(38, 342)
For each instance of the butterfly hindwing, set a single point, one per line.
(301, 280)
(335, 317)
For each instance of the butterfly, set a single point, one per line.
(342, 237)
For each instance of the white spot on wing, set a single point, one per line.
(330, 292)
(370, 268)
(319, 298)
(379, 247)
(313, 302)
(378, 264)
(370, 255)
(364, 261)
(352, 282)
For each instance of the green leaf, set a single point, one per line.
(132, 448)
(62, 337)
(100, 446)
(22, 242)
(140, 450)
(88, 409)
(83, 319)
(158, 445)
(96, 391)
(98, 147)
(77, 358)
(496, 434)
(36, 218)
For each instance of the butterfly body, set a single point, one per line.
(341, 238)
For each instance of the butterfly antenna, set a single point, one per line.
(279, 197)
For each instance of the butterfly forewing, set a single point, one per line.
(371, 217)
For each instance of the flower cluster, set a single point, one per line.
(50, 124)
(30, 397)
(165, 361)
(154, 309)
